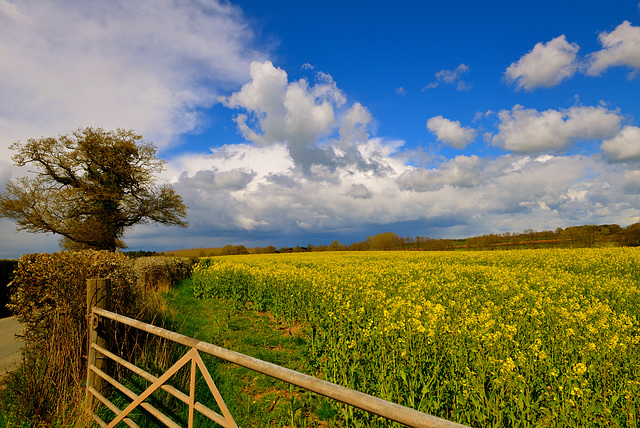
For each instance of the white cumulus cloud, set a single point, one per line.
(359, 191)
(233, 180)
(462, 171)
(451, 132)
(319, 130)
(546, 65)
(621, 47)
(530, 131)
(624, 147)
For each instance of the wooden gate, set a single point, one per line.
(98, 298)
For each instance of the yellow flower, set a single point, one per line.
(579, 369)
(508, 365)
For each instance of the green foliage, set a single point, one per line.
(266, 250)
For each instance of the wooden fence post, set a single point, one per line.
(99, 295)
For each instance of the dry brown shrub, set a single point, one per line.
(49, 297)
(160, 273)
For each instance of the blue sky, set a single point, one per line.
(293, 123)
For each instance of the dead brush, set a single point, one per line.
(49, 386)
(49, 298)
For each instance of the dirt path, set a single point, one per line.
(10, 346)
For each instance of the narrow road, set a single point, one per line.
(10, 346)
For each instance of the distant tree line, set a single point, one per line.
(611, 235)
(571, 237)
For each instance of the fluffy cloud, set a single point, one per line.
(320, 132)
(462, 171)
(530, 131)
(267, 161)
(624, 147)
(541, 182)
(451, 132)
(359, 191)
(451, 77)
(147, 65)
(549, 64)
(621, 47)
(233, 180)
(266, 196)
(467, 195)
(546, 65)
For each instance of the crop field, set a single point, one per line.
(501, 338)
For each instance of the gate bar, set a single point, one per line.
(133, 396)
(111, 407)
(378, 406)
(217, 418)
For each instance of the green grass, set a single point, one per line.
(253, 399)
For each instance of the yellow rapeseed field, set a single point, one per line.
(501, 338)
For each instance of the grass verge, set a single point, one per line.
(254, 400)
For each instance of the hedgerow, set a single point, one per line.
(48, 295)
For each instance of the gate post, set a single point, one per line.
(99, 295)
